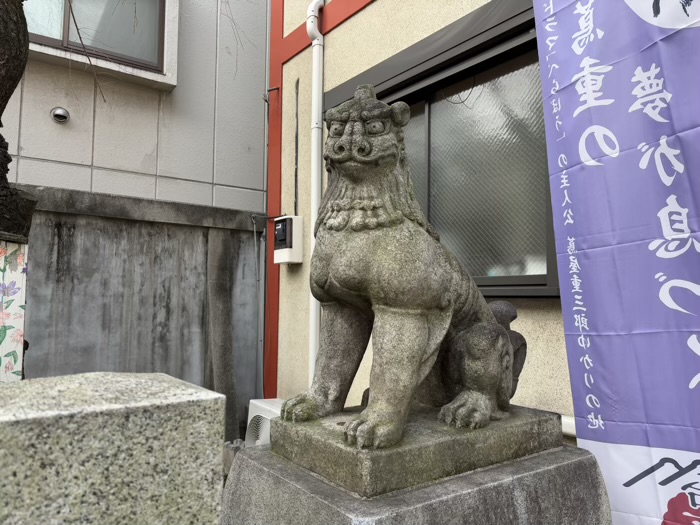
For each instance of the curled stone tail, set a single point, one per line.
(519, 355)
(505, 313)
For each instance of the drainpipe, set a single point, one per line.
(314, 31)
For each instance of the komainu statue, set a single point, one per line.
(379, 269)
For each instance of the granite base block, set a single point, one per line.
(562, 486)
(113, 449)
(429, 450)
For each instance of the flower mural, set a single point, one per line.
(9, 289)
(13, 270)
(17, 336)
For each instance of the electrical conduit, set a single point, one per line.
(314, 31)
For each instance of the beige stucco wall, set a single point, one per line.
(294, 278)
(384, 28)
(358, 44)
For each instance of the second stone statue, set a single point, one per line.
(379, 270)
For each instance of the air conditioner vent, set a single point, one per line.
(260, 413)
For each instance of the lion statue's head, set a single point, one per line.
(369, 182)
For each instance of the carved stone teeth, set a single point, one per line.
(357, 223)
(382, 218)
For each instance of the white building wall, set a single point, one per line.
(203, 143)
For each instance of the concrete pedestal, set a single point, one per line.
(562, 486)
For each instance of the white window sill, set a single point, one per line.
(163, 82)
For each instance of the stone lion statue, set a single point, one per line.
(379, 269)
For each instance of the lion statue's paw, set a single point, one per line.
(306, 407)
(469, 409)
(374, 430)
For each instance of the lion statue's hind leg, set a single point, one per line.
(470, 409)
(481, 357)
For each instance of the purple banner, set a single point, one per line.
(621, 84)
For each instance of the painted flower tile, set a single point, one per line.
(13, 279)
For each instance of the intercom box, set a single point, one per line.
(289, 240)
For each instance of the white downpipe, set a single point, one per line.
(314, 31)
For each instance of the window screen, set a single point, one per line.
(486, 175)
(128, 28)
(45, 17)
(126, 31)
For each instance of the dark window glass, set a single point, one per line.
(488, 167)
(126, 31)
(120, 28)
(414, 134)
(485, 181)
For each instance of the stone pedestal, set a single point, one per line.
(429, 450)
(436, 476)
(562, 486)
(112, 449)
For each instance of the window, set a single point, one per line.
(478, 160)
(124, 31)
(476, 144)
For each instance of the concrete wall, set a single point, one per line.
(116, 292)
(202, 143)
(376, 33)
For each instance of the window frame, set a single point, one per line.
(488, 36)
(66, 45)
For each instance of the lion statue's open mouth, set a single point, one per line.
(379, 269)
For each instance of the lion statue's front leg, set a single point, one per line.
(345, 333)
(400, 339)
